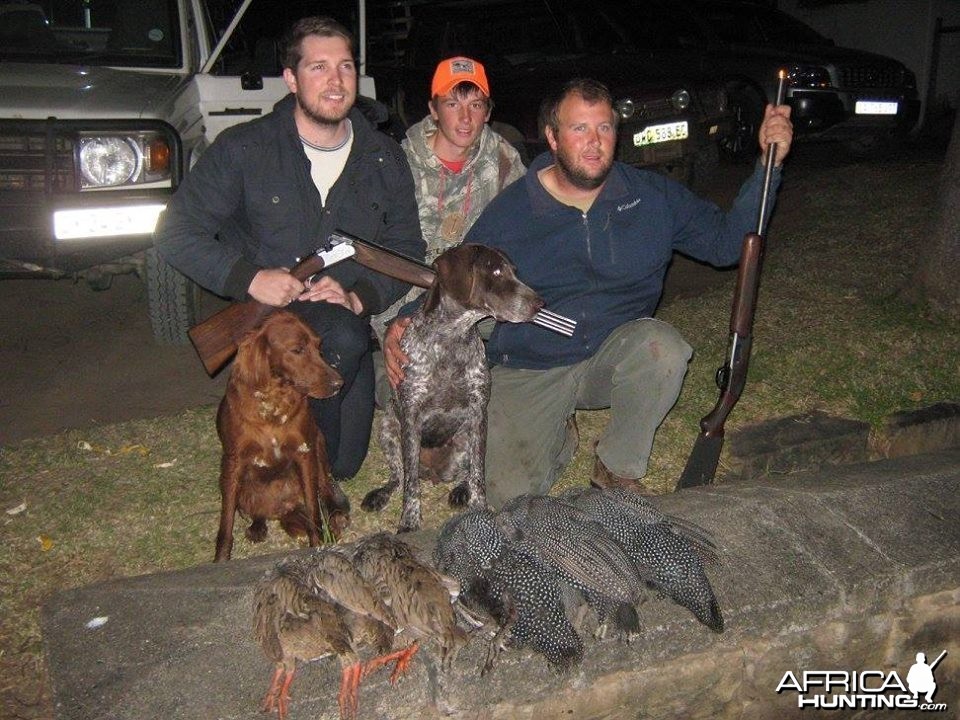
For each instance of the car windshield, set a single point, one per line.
(120, 33)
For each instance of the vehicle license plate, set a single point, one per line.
(875, 107)
(661, 133)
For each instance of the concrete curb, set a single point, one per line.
(853, 567)
(811, 440)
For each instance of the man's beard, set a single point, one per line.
(319, 117)
(577, 176)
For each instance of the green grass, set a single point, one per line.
(830, 334)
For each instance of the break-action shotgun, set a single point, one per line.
(215, 339)
(420, 274)
(702, 464)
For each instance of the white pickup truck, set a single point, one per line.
(105, 104)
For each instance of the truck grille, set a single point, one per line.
(660, 107)
(37, 162)
(870, 76)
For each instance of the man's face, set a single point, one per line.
(585, 142)
(460, 118)
(325, 81)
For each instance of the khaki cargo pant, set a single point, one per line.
(637, 373)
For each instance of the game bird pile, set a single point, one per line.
(538, 574)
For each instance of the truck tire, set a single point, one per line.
(740, 144)
(173, 301)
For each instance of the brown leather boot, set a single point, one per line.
(602, 477)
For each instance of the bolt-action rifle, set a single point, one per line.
(702, 464)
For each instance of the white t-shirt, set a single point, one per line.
(326, 164)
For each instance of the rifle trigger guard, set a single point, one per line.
(723, 377)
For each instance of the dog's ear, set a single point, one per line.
(456, 274)
(442, 265)
(252, 364)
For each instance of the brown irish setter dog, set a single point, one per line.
(274, 464)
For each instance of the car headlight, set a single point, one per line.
(108, 161)
(114, 160)
(680, 100)
(625, 108)
(809, 76)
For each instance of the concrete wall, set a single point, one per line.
(853, 568)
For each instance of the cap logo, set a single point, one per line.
(461, 65)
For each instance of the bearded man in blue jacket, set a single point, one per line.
(594, 237)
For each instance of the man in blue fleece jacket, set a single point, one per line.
(594, 238)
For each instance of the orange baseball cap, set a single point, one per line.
(456, 70)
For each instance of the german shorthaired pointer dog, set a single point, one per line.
(437, 419)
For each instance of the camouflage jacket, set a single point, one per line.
(449, 202)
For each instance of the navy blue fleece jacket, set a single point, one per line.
(604, 267)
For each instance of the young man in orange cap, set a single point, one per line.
(459, 164)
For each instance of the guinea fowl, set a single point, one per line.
(517, 589)
(669, 552)
(420, 597)
(583, 554)
(317, 605)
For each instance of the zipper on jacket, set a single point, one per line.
(586, 228)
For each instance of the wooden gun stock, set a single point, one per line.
(216, 338)
(732, 376)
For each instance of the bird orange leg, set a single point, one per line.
(403, 658)
(348, 699)
(270, 699)
(278, 694)
(283, 701)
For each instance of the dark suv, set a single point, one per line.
(861, 99)
(530, 48)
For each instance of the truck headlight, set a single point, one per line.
(114, 160)
(108, 161)
(624, 108)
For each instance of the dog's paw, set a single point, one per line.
(376, 500)
(257, 532)
(459, 497)
(337, 523)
